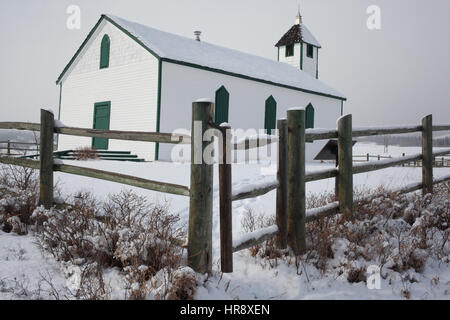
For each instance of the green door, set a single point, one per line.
(102, 113)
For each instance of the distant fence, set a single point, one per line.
(291, 213)
(367, 157)
(438, 162)
(7, 147)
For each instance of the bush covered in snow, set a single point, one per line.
(19, 193)
(140, 240)
(398, 233)
(125, 232)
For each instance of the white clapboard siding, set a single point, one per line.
(246, 105)
(130, 83)
(310, 64)
(293, 60)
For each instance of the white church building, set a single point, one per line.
(127, 76)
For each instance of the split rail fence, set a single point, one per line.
(21, 147)
(291, 213)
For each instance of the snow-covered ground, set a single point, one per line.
(25, 272)
(20, 256)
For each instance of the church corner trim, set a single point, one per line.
(158, 107)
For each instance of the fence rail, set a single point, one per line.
(125, 135)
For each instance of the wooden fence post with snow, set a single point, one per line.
(46, 159)
(345, 176)
(281, 205)
(296, 203)
(201, 191)
(226, 235)
(427, 154)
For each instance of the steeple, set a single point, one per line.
(299, 48)
(298, 19)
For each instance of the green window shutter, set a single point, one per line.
(222, 105)
(309, 116)
(104, 52)
(270, 117)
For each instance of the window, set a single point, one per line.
(270, 116)
(222, 105)
(289, 50)
(104, 52)
(310, 51)
(309, 116)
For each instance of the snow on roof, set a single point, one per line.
(176, 48)
(308, 37)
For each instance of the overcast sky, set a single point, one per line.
(390, 76)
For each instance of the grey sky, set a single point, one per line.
(392, 76)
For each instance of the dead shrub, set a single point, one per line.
(85, 153)
(356, 275)
(125, 232)
(92, 285)
(268, 250)
(19, 195)
(183, 285)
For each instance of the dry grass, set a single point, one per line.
(85, 153)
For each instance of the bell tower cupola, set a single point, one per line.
(299, 48)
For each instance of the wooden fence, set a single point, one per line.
(10, 146)
(291, 213)
(367, 157)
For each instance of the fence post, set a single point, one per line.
(226, 234)
(427, 154)
(281, 206)
(201, 192)
(296, 204)
(345, 145)
(9, 148)
(46, 159)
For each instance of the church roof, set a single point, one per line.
(296, 34)
(198, 54)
